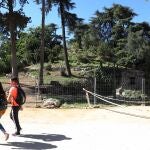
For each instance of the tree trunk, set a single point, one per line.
(64, 42)
(42, 47)
(79, 42)
(13, 42)
(13, 53)
(114, 80)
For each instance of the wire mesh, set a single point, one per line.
(122, 86)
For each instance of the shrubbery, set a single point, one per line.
(133, 94)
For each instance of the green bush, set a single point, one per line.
(83, 58)
(4, 67)
(133, 94)
(48, 67)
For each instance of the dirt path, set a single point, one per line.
(79, 129)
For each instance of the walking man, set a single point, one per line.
(15, 107)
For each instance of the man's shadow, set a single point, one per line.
(46, 137)
(37, 145)
(32, 145)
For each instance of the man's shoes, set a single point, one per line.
(20, 128)
(6, 136)
(16, 133)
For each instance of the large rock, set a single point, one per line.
(51, 103)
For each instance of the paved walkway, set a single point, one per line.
(93, 129)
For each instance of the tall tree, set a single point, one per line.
(10, 22)
(28, 45)
(79, 30)
(64, 6)
(46, 6)
(137, 47)
(111, 27)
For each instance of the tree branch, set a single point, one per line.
(2, 5)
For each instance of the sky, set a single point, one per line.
(86, 8)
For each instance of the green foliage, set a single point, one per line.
(114, 39)
(28, 46)
(48, 67)
(53, 55)
(137, 47)
(75, 82)
(111, 37)
(65, 81)
(132, 94)
(4, 67)
(83, 58)
(5, 57)
(79, 29)
(12, 21)
(29, 43)
(109, 28)
(17, 19)
(104, 78)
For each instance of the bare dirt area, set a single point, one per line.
(80, 129)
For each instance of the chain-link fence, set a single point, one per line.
(27, 83)
(70, 92)
(122, 86)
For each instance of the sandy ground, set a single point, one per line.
(80, 129)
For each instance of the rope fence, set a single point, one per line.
(100, 97)
(115, 104)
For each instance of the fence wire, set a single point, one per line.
(128, 87)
